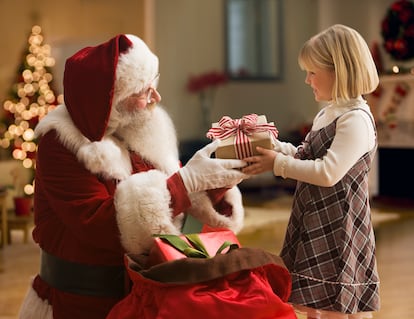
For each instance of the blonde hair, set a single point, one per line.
(343, 50)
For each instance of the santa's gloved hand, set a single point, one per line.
(203, 172)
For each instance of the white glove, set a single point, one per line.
(203, 173)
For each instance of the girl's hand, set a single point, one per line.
(260, 163)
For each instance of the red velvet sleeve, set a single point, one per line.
(179, 195)
(220, 204)
(180, 200)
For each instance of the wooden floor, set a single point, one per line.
(265, 224)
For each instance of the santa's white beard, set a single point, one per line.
(135, 127)
(149, 132)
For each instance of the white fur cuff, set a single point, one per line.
(142, 202)
(202, 209)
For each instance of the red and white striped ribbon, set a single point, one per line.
(241, 129)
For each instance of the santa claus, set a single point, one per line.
(108, 177)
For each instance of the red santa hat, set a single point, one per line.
(97, 78)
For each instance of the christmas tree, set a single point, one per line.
(30, 98)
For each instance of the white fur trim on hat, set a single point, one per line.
(135, 70)
(106, 158)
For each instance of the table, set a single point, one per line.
(23, 223)
(10, 221)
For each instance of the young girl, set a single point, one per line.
(329, 246)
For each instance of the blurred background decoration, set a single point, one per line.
(29, 99)
(205, 86)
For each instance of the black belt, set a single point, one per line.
(76, 278)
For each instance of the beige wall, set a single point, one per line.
(67, 26)
(190, 40)
(188, 37)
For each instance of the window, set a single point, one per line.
(253, 39)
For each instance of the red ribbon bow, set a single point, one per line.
(242, 129)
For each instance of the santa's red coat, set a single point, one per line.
(95, 201)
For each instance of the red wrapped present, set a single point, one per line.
(202, 245)
(240, 137)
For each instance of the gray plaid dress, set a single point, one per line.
(329, 246)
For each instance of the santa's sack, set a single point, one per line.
(245, 283)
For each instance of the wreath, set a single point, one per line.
(397, 30)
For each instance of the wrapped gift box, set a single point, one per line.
(163, 251)
(240, 137)
(227, 147)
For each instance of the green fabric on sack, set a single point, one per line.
(196, 248)
(191, 225)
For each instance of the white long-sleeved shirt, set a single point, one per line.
(355, 135)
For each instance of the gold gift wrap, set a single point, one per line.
(227, 148)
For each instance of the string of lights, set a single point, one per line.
(30, 99)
